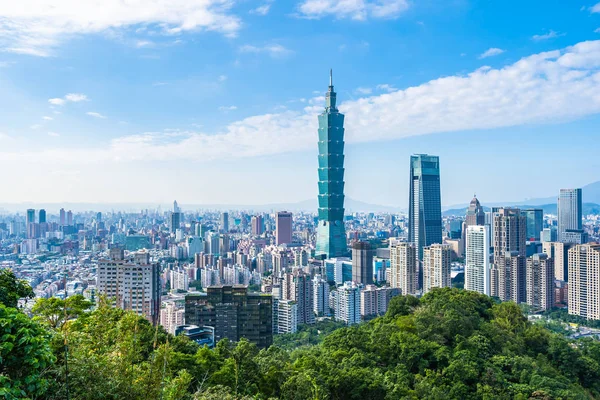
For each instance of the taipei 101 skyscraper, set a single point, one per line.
(331, 233)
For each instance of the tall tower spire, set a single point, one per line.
(331, 233)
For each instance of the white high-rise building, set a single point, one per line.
(172, 316)
(374, 300)
(477, 260)
(287, 316)
(320, 296)
(559, 253)
(584, 281)
(347, 303)
(436, 267)
(134, 282)
(403, 267)
(179, 279)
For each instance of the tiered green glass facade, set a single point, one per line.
(331, 233)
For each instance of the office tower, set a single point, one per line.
(575, 236)
(133, 283)
(213, 243)
(176, 207)
(63, 218)
(347, 303)
(477, 259)
(223, 245)
(548, 235)
(30, 216)
(475, 213)
(508, 277)
(42, 216)
(257, 225)
(283, 228)
(331, 232)
(174, 221)
(540, 282)
(287, 316)
(425, 207)
(362, 263)
(570, 210)
(320, 296)
(98, 217)
(534, 219)
(298, 287)
(559, 253)
(225, 222)
(403, 267)
(436, 267)
(233, 313)
(70, 218)
(510, 230)
(172, 316)
(584, 287)
(374, 300)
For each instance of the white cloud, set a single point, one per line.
(95, 114)
(595, 8)
(222, 78)
(46, 118)
(76, 97)
(53, 134)
(274, 50)
(386, 87)
(354, 9)
(36, 27)
(549, 87)
(364, 90)
(56, 102)
(143, 43)
(72, 97)
(262, 10)
(550, 35)
(227, 108)
(494, 51)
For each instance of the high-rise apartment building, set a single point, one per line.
(133, 282)
(171, 316)
(320, 296)
(362, 263)
(436, 266)
(425, 206)
(287, 316)
(297, 286)
(508, 277)
(559, 253)
(534, 220)
(283, 228)
(331, 231)
(477, 259)
(570, 209)
(584, 283)
(475, 213)
(347, 303)
(225, 222)
(63, 217)
(374, 300)
(540, 282)
(510, 231)
(233, 313)
(257, 225)
(403, 267)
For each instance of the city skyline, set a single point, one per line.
(249, 101)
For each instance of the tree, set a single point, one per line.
(13, 289)
(54, 311)
(24, 354)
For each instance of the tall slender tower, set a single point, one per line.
(331, 233)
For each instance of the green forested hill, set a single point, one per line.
(451, 344)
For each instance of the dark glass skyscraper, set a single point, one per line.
(425, 204)
(331, 233)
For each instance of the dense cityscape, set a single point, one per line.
(236, 274)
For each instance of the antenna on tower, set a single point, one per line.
(330, 77)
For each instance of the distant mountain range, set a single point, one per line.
(591, 199)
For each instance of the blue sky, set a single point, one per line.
(215, 101)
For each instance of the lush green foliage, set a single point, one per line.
(12, 289)
(54, 311)
(450, 344)
(24, 355)
(307, 335)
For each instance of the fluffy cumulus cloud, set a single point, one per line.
(36, 27)
(354, 9)
(553, 86)
(494, 51)
(71, 97)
